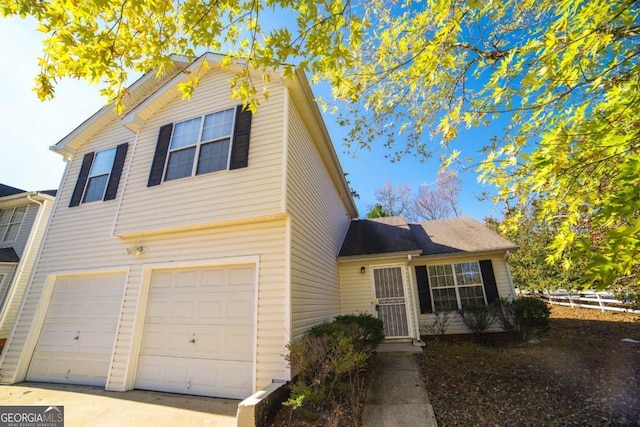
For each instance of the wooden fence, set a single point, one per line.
(604, 301)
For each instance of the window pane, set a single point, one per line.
(217, 125)
(5, 216)
(445, 299)
(95, 188)
(471, 296)
(213, 157)
(103, 162)
(185, 133)
(180, 164)
(12, 232)
(468, 274)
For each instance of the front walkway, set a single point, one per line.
(396, 395)
(94, 406)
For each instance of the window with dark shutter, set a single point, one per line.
(489, 280)
(424, 293)
(99, 175)
(206, 144)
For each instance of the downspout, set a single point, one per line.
(416, 323)
(126, 181)
(507, 255)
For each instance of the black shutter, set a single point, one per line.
(489, 280)
(82, 179)
(424, 293)
(116, 172)
(160, 156)
(240, 149)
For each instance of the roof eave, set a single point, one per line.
(376, 256)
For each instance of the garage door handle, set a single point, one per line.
(77, 336)
(192, 340)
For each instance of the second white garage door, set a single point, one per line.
(198, 333)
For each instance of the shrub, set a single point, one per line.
(478, 318)
(371, 329)
(329, 361)
(439, 323)
(527, 316)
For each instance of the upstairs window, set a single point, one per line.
(99, 175)
(205, 144)
(200, 145)
(10, 222)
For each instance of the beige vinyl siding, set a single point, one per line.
(36, 229)
(355, 288)
(99, 251)
(205, 199)
(319, 222)
(456, 325)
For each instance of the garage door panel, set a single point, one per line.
(93, 338)
(214, 309)
(72, 368)
(195, 376)
(230, 342)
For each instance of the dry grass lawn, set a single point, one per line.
(580, 374)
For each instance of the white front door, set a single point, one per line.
(199, 332)
(77, 338)
(390, 301)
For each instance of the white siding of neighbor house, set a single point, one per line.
(209, 198)
(80, 239)
(33, 227)
(357, 289)
(319, 222)
(456, 325)
(20, 242)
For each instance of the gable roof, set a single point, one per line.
(379, 235)
(150, 93)
(7, 190)
(394, 235)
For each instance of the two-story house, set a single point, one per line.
(191, 241)
(23, 220)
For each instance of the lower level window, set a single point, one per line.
(456, 286)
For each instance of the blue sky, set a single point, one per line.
(29, 127)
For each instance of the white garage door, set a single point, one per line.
(198, 332)
(77, 337)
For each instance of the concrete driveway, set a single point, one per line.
(93, 406)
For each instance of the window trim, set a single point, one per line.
(456, 287)
(13, 211)
(199, 143)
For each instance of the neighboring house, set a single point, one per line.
(191, 241)
(23, 220)
(406, 272)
